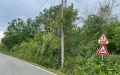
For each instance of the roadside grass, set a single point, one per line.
(48, 69)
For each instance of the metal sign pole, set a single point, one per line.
(102, 57)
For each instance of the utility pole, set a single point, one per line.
(62, 35)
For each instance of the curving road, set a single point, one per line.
(12, 66)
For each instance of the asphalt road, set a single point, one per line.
(12, 66)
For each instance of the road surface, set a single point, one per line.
(12, 66)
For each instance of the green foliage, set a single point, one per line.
(14, 34)
(113, 35)
(3, 48)
(93, 65)
(93, 27)
(116, 37)
(39, 41)
(51, 51)
(45, 53)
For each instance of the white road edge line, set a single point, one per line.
(31, 64)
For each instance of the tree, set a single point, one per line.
(14, 34)
(31, 28)
(51, 21)
(114, 37)
(106, 9)
(92, 28)
(45, 18)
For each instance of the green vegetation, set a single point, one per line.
(38, 41)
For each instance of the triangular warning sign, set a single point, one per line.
(103, 39)
(102, 50)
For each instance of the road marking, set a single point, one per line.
(30, 64)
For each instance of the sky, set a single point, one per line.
(12, 9)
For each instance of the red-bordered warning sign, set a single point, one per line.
(103, 50)
(103, 39)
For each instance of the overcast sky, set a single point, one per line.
(11, 9)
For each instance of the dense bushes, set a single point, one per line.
(87, 63)
(93, 65)
(45, 53)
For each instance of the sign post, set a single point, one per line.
(102, 57)
(103, 50)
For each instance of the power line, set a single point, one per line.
(83, 3)
(39, 8)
